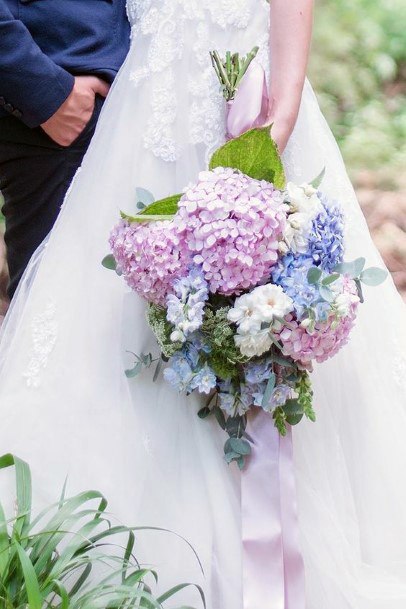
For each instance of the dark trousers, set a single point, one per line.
(35, 174)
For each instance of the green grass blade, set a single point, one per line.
(32, 586)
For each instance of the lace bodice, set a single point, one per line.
(172, 40)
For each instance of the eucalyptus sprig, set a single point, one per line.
(231, 70)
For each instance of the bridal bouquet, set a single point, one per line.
(246, 285)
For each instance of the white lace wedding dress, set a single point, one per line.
(67, 407)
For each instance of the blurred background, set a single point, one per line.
(358, 68)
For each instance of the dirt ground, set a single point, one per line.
(384, 208)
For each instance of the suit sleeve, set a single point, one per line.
(32, 86)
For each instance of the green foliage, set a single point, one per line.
(255, 154)
(70, 556)
(305, 395)
(358, 69)
(162, 329)
(163, 207)
(225, 355)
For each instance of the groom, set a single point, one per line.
(57, 61)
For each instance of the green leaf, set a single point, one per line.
(317, 181)
(294, 411)
(326, 293)
(133, 372)
(31, 582)
(373, 276)
(240, 446)
(255, 154)
(330, 279)
(219, 414)
(353, 269)
(359, 290)
(313, 275)
(163, 207)
(270, 386)
(145, 218)
(109, 262)
(204, 412)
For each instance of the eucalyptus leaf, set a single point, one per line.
(359, 290)
(314, 274)
(144, 196)
(270, 386)
(133, 372)
(240, 446)
(353, 269)
(373, 276)
(330, 279)
(326, 293)
(109, 262)
(255, 154)
(294, 411)
(204, 412)
(317, 181)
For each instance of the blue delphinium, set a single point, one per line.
(179, 373)
(326, 238)
(185, 308)
(204, 380)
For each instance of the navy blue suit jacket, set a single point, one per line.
(43, 43)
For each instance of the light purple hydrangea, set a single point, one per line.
(233, 224)
(327, 337)
(151, 256)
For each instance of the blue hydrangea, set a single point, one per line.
(326, 239)
(291, 274)
(256, 372)
(185, 308)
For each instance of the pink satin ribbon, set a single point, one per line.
(273, 570)
(250, 106)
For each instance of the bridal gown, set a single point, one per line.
(68, 409)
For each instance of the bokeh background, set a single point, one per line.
(358, 68)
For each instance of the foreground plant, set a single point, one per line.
(69, 556)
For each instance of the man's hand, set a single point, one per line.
(71, 118)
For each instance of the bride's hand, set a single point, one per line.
(281, 130)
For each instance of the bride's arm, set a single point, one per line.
(291, 31)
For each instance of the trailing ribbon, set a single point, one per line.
(250, 106)
(273, 570)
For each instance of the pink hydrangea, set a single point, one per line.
(327, 338)
(232, 224)
(150, 256)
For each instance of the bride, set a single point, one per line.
(68, 408)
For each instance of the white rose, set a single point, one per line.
(254, 345)
(304, 199)
(244, 314)
(297, 232)
(271, 301)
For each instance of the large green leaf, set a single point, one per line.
(163, 207)
(253, 153)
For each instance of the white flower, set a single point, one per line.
(254, 345)
(270, 302)
(244, 314)
(304, 199)
(343, 302)
(261, 305)
(297, 231)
